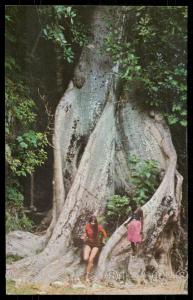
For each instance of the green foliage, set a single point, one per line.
(55, 29)
(154, 54)
(12, 258)
(27, 289)
(143, 178)
(117, 211)
(14, 196)
(19, 107)
(10, 64)
(63, 28)
(144, 183)
(17, 220)
(27, 150)
(25, 147)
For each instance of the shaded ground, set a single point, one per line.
(173, 286)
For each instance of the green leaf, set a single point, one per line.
(176, 107)
(69, 9)
(183, 123)
(69, 60)
(154, 88)
(23, 145)
(183, 113)
(8, 18)
(45, 32)
(19, 139)
(148, 175)
(172, 119)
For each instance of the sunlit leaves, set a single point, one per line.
(154, 53)
(13, 195)
(25, 149)
(16, 218)
(117, 211)
(28, 152)
(19, 105)
(143, 182)
(62, 21)
(143, 178)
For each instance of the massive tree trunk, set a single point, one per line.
(92, 141)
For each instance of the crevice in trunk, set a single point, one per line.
(81, 145)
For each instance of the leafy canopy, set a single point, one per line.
(62, 26)
(153, 57)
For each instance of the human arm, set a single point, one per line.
(84, 236)
(104, 234)
(141, 218)
(127, 221)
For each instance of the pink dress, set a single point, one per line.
(134, 231)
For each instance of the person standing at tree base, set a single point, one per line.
(135, 226)
(92, 243)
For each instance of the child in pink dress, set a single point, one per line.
(135, 226)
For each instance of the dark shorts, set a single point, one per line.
(94, 244)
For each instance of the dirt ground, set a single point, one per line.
(170, 287)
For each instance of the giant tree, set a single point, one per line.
(97, 126)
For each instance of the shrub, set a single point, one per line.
(144, 183)
(16, 218)
(117, 211)
(143, 178)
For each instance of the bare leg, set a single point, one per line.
(133, 246)
(93, 254)
(137, 248)
(86, 252)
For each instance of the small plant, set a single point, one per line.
(26, 151)
(63, 28)
(14, 196)
(144, 183)
(117, 211)
(143, 178)
(16, 218)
